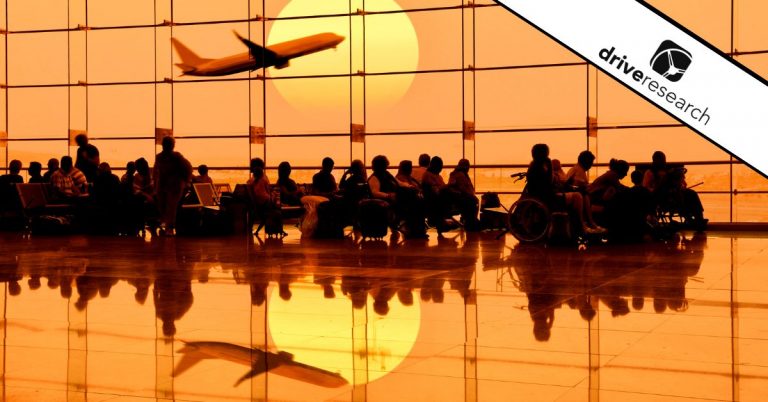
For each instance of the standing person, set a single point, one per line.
(173, 173)
(418, 172)
(87, 157)
(35, 170)
(323, 182)
(53, 166)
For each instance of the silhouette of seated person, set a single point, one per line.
(463, 195)
(558, 173)
(68, 182)
(290, 194)
(202, 175)
(541, 185)
(670, 191)
(53, 166)
(8, 194)
(106, 187)
(144, 208)
(14, 174)
(604, 189)
(126, 181)
(323, 182)
(576, 179)
(35, 171)
(354, 183)
(404, 200)
(259, 191)
(405, 175)
(418, 171)
(106, 199)
(436, 198)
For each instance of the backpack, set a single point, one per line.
(490, 200)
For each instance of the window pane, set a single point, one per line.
(219, 152)
(515, 148)
(121, 111)
(527, 98)
(408, 147)
(211, 41)
(37, 112)
(757, 63)
(746, 179)
(416, 4)
(328, 61)
(122, 12)
(211, 108)
(307, 151)
(433, 102)
(498, 179)
(708, 177)
(751, 31)
(121, 55)
(637, 145)
(503, 39)
(307, 106)
(709, 19)
(37, 14)
(423, 40)
(37, 58)
(294, 8)
(617, 105)
(750, 208)
(40, 151)
(717, 207)
(119, 152)
(205, 10)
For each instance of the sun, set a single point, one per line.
(318, 332)
(391, 46)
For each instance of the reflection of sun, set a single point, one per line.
(391, 45)
(318, 332)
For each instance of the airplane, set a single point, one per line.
(260, 361)
(278, 55)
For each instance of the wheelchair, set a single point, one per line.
(528, 219)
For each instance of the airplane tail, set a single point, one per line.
(189, 59)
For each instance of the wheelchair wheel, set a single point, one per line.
(529, 220)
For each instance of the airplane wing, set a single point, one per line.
(190, 356)
(263, 56)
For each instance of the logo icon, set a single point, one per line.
(671, 61)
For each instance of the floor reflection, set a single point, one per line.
(464, 317)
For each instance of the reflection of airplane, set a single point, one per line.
(260, 361)
(277, 55)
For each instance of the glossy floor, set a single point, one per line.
(465, 317)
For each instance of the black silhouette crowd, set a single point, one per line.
(408, 202)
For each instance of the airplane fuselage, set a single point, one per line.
(283, 53)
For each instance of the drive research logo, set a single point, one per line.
(671, 61)
(672, 68)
